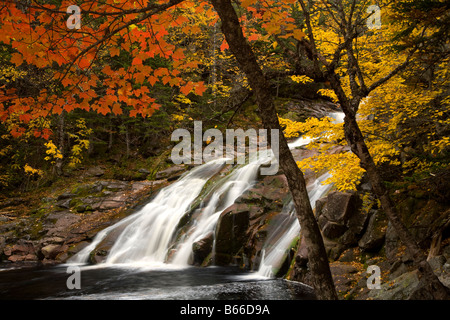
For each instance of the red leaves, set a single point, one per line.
(136, 61)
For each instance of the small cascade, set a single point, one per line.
(234, 186)
(289, 228)
(280, 239)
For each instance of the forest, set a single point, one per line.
(94, 93)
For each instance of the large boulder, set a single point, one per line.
(341, 206)
(202, 248)
(401, 288)
(375, 234)
(231, 233)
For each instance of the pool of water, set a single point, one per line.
(143, 283)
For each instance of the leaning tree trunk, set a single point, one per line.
(318, 261)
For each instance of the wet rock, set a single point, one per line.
(202, 248)
(231, 233)
(171, 172)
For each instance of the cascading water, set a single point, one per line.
(281, 238)
(147, 233)
(146, 237)
(288, 229)
(236, 184)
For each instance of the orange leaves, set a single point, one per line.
(187, 88)
(84, 63)
(136, 61)
(198, 88)
(224, 46)
(17, 59)
(114, 51)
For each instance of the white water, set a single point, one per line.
(289, 229)
(146, 237)
(147, 233)
(238, 182)
(272, 257)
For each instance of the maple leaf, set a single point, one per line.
(116, 109)
(200, 88)
(187, 88)
(136, 61)
(224, 45)
(16, 58)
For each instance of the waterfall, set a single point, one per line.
(287, 230)
(147, 233)
(236, 184)
(148, 236)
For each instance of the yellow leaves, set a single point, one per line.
(52, 152)
(298, 34)
(302, 79)
(329, 93)
(31, 171)
(344, 169)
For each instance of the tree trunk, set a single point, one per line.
(318, 260)
(61, 125)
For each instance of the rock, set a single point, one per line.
(202, 248)
(397, 269)
(64, 203)
(320, 207)
(341, 206)
(437, 264)
(95, 172)
(375, 234)
(5, 227)
(348, 255)
(171, 172)
(66, 195)
(50, 251)
(358, 222)
(344, 276)
(348, 239)
(446, 252)
(391, 243)
(333, 230)
(333, 249)
(231, 234)
(144, 171)
(401, 288)
(13, 202)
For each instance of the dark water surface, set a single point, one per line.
(113, 283)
